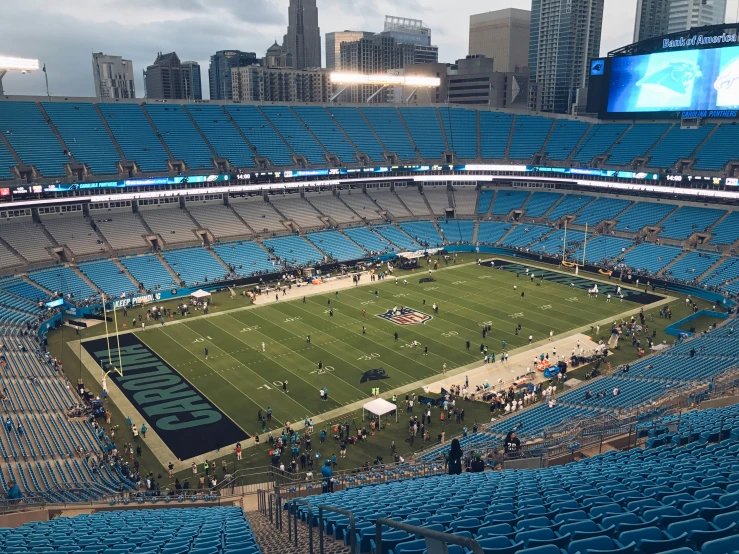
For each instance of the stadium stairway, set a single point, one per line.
(272, 541)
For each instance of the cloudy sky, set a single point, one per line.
(64, 33)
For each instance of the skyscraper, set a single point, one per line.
(113, 76)
(333, 46)
(565, 36)
(170, 79)
(502, 35)
(193, 84)
(219, 71)
(651, 19)
(406, 31)
(303, 38)
(685, 14)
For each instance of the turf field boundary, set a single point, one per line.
(164, 455)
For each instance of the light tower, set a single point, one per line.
(24, 65)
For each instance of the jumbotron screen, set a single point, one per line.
(679, 82)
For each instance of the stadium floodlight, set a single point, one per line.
(381, 80)
(24, 65)
(384, 80)
(18, 64)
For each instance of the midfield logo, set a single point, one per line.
(405, 316)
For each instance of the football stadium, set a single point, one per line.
(234, 327)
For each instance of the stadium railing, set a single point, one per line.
(8, 505)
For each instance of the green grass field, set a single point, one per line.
(240, 378)
(236, 372)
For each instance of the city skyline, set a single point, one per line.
(195, 29)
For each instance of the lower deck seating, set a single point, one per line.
(424, 232)
(162, 531)
(369, 240)
(246, 258)
(294, 251)
(457, 230)
(109, 278)
(336, 246)
(195, 265)
(149, 271)
(650, 258)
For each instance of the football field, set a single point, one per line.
(240, 376)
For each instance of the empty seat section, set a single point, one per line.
(6, 162)
(522, 235)
(28, 239)
(727, 271)
(727, 231)
(135, 136)
(296, 209)
(529, 134)
(565, 136)
(362, 204)
(636, 142)
(486, 198)
(569, 205)
(246, 258)
(598, 140)
(260, 133)
(64, 280)
(507, 200)
(355, 126)
(460, 126)
(602, 209)
(294, 251)
(388, 201)
(495, 130)
(9, 259)
(688, 220)
(457, 231)
(183, 139)
(258, 214)
(389, 127)
(650, 258)
(218, 219)
(540, 202)
(423, 125)
(336, 246)
(85, 135)
(331, 206)
(170, 222)
(692, 265)
(413, 199)
(369, 240)
(323, 126)
(25, 128)
(602, 249)
(465, 199)
(397, 237)
(222, 134)
(74, 232)
(24, 289)
(553, 243)
(677, 143)
(490, 232)
(437, 197)
(719, 149)
(108, 277)
(295, 133)
(194, 266)
(121, 229)
(149, 271)
(423, 232)
(642, 214)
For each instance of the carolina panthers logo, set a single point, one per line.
(405, 316)
(374, 375)
(677, 76)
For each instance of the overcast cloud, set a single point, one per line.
(63, 34)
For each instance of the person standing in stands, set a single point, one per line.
(454, 463)
(477, 465)
(512, 444)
